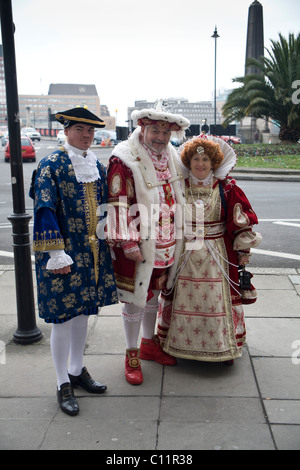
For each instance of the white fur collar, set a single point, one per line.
(133, 153)
(147, 197)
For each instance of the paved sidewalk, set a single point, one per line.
(253, 405)
(265, 174)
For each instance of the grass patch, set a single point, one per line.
(268, 156)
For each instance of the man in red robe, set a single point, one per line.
(144, 191)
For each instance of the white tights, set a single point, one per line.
(140, 316)
(68, 341)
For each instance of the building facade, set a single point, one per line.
(36, 109)
(197, 112)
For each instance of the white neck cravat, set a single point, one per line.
(85, 167)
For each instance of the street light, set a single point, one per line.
(27, 331)
(215, 36)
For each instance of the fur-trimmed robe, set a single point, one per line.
(134, 157)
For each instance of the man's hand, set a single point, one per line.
(135, 256)
(64, 270)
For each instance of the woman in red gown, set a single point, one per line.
(201, 317)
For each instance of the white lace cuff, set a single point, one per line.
(58, 259)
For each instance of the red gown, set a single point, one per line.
(202, 318)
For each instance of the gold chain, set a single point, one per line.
(201, 191)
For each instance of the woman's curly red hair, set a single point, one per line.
(211, 149)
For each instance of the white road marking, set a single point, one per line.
(8, 254)
(7, 225)
(275, 253)
(290, 224)
(278, 220)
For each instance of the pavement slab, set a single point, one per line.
(253, 405)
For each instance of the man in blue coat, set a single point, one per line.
(73, 267)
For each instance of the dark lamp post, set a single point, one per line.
(215, 36)
(27, 331)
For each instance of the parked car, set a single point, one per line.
(3, 129)
(28, 150)
(30, 132)
(176, 142)
(231, 139)
(4, 138)
(61, 138)
(101, 135)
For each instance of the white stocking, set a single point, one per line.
(149, 317)
(78, 340)
(132, 318)
(60, 347)
(132, 330)
(66, 339)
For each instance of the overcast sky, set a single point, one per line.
(137, 49)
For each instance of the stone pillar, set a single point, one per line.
(254, 49)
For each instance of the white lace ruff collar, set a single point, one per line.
(205, 181)
(85, 168)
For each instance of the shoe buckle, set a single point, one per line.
(67, 392)
(134, 362)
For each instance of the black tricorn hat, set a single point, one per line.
(78, 115)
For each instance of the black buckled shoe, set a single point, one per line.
(85, 381)
(66, 399)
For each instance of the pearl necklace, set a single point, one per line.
(204, 197)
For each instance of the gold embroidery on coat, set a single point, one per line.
(90, 206)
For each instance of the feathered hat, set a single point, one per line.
(161, 117)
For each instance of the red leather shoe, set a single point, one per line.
(133, 370)
(230, 362)
(151, 350)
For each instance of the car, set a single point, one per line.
(3, 129)
(176, 142)
(101, 136)
(32, 133)
(28, 150)
(61, 137)
(4, 138)
(231, 139)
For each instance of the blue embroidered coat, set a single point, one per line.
(65, 218)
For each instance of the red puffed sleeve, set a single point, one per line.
(240, 218)
(122, 229)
